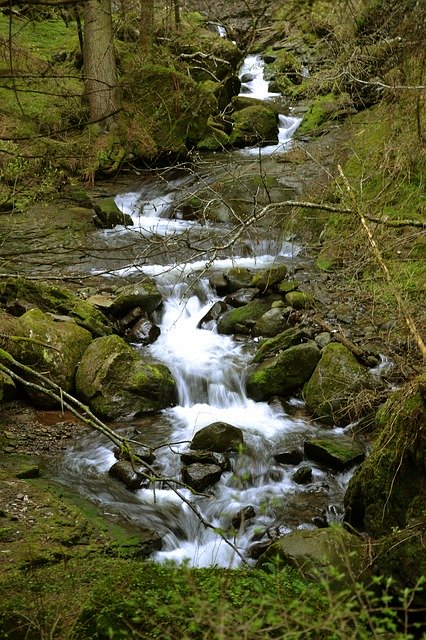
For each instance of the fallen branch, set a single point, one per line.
(340, 337)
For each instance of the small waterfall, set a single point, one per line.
(254, 85)
(209, 369)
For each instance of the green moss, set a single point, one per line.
(336, 382)
(237, 319)
(283, 373)
(386, 488)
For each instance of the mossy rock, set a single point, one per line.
(252, 125)
(8, 391)
(116, 382)
(271, 347)
(271, 323)
(173, 108)
(299, 300)
(143, 294)
(242, 319)
(238, 278)
(325, 109)
(313, 552)
(389, 489)
(338, 453)
(283, 373)
(218, 437)
(270, 277)
(20, 294)
(109, 215)
(332, 390)
(213, 140)
(51, 348)
(401, 556)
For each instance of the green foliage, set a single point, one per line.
(115, 598)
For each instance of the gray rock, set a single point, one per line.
(201, 476)
(143, 331)
(293, 456)
(219, 437)
(311, 551)
(132, 477)
(241, 297)
(302, 475)
(206, 457)
(273, 322)
(143, 294)
(244, 514)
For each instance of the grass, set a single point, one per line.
(114, 598)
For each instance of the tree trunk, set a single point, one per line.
(100, 74)
(146, 24)
(176, 7)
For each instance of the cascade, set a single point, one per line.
(209, 369)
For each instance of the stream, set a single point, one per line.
(209, 370)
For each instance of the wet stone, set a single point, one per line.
(131, 477)
(213, 313)
(206, 457)
(201, 476)
(241, 297)
(144, 453)
(293, 456)
(244, 514)
(302, 475)
(219, 437)
(143, 331)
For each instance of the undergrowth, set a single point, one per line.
(114, 598)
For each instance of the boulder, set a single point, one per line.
(271, 323)
(283, 373)
(237, 278)
(313, 552)
(8, 391)
(218, 437)
(143, 331)
(241, 297)
(133, 477)
(293, 456)
(299, 299)
(242, 319)
(337, 379)
(201, 476)
(386, 496)
(144, 453)
(213, 313)
(302, 475)
(244, 514)
(108, 215)
(252, 125)
(18, 295)
(336, 452)
(388, 490)
(51, 348)
(143, 294)
(269, 278)
(206, 457)
(115, 381)
(281, 342)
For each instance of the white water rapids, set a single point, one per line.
(209, 370)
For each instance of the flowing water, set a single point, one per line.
(209, 370)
